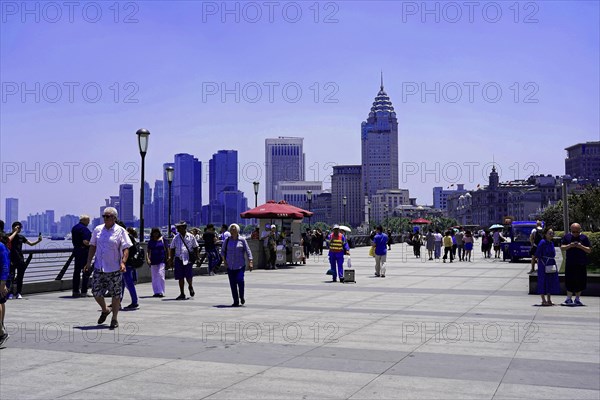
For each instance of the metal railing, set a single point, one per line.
(45, 265)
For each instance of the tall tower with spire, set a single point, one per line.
(379, 143)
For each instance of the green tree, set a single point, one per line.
(584, 209)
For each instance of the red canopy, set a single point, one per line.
(276, 210)
(421, 221)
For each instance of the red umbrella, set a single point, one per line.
(420, 221)
(276, 210)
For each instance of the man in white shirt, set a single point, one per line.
(110, 244)
(182, 245)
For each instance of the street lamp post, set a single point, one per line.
(309, 199)
(256, 185)
(170, 174)
(369, 213)
(143, 136)
(344, 203)
(565, 193)
(385, 213)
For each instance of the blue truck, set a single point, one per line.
(519, 245)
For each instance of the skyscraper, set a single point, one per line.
(187, 189)
(226, 202)
(149, 220)
(126, 204)
(284, 161)
(12, 211)
(346, 182)
(379, 140)
(158, 202)
(223, 173)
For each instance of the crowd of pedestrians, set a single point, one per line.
(107, 258)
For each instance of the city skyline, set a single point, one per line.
(66, 148)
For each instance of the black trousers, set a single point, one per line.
(80, 261)
(20, 267)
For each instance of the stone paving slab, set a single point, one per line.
(429, 330)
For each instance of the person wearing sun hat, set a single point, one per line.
(183, 244)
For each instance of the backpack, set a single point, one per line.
(137, 256)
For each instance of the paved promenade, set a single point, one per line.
(427, 331)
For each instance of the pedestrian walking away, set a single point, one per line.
(380, 243)
(80, 236)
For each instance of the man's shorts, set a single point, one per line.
(183, 271)
(532, 251)
(107, 282)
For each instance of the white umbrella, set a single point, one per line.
(345, 228)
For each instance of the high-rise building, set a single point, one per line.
(223, 173)
(67, 222)
(284, 161)
(12, 211)
(158, 211)
(379, 142)
(295, 192)
(346, 182)
(148, 207)
(440, 195)
(583, 161)
(226, 202)
(187, 189)
(41, 223)
(126, 204)
(384, 203)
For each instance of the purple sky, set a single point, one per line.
(160, 73)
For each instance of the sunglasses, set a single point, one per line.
(106, 216)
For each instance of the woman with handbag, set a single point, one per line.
(547, 278)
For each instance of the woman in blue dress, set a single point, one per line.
(547, 282)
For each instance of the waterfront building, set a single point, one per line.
(125, 209)
(226, 202)
(440, 195)
(521, 200)
(346, 181)
(321, 206)
(295, 192)
(384, 203)
(187, 189)
(379, 146)
(284, 161)
(158, 209)
(12, 211)
(583, 161)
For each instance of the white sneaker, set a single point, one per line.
(19, 296)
